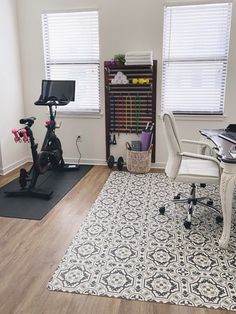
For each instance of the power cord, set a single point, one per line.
(77, 145)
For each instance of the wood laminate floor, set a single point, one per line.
(31, 250)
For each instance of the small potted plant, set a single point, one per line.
(119, 59)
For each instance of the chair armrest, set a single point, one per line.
(201, 143)
(203, 157)
(199, 156)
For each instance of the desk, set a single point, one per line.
(227, 182)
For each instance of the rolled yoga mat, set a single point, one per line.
(146, 136)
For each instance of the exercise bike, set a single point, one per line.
(51, 155)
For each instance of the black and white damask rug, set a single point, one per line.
(126, 249)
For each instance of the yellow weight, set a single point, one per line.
(141, 81)
(135, 81)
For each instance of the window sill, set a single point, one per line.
(190, 117)
(80, 115)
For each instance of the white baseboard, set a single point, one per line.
(159, 165)
(86, 161)
(102, 162)
(83, 161)
(14, 165)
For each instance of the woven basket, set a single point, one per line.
(139, 162)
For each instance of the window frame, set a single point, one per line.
(73, 113)
(217, 114)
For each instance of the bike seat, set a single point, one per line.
(29, 121)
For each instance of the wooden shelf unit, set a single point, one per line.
(130, 106)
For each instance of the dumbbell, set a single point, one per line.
(141, 81)
(111, 162)
(18, 134)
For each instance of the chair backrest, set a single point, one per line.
(173, 145)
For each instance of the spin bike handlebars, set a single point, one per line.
(51, 101)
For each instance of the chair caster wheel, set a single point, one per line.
(162, 210)
(202, 185)
(177, 197)
(219, 219)
(210, 202)
(187, 224)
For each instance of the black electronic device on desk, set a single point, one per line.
(233, 151)
(225, 142)
(230, 133)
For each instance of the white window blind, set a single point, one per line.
(195, 54)
(71, 50)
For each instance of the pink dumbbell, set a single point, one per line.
(24, 135)
(16, 135)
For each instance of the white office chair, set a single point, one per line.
(189, 168)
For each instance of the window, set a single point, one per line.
(195, 54)
(71, 51)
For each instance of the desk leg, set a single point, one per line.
(227, 184)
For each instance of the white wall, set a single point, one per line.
(11, 101)
(124, 25)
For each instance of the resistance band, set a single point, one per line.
(114, 121)
(111, 105)
(114, 114)
(137, 112)
(112, 100)
(118, 115)
(147, 108)
(123, 112)
(126, 113)
(130, 113)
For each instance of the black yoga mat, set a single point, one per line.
(34, 208)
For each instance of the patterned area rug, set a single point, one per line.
(126, 249)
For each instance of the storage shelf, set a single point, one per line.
(107, 64)
(129, 106)
(130, 85)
